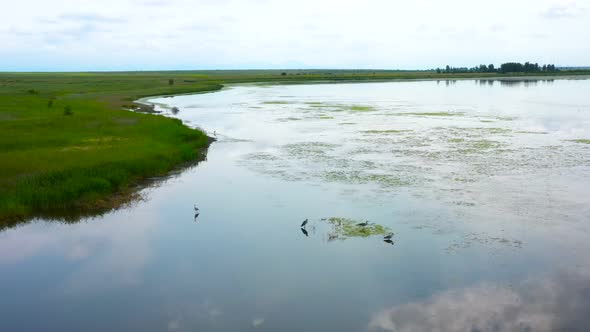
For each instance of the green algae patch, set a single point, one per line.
(443, 114)
(506, 118)
(276, 102)
(357, 177)
(309, 150)
(384, 132)
(456, 140)
(358, 108)
(484, 144)
(289, 119)
(494, 131)
(583, 141)
(317, 104)
(260, 156)
(532, 132)
(344, 228)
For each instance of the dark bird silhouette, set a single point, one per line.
(363, 224)
(388, 241)
(196, 216)
(388, 236)
(196, 208)
(304, 231)
(304, 223)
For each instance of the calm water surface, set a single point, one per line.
(482, 183)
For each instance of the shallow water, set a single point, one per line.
(483, 183)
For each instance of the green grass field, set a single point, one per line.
(67, 144)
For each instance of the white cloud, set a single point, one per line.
(183, 34)
(562, 10)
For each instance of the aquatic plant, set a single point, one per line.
(583, 141)
(343, 228)
(360, 108)
(384, 132)
(276, 102)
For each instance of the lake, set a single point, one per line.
(483, 183)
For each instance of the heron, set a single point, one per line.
(363, 224)
(304, 223)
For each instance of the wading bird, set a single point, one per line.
(304, 223)
(363, 224)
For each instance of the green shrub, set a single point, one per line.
(68, 110)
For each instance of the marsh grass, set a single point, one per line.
(55, 158)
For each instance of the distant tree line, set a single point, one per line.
(508, 67)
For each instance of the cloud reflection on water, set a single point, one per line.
(558, 302)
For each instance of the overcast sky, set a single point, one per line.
(228, 34)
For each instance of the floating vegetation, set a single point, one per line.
(485, 144)
(494, 131)
(289, 119)
(276, 102)
(463, 203)
(506, 118)
(456, 140)
(357, 177)
(344, 228)
(347, 123)
(384, 132)
(260, 156)
(583, 141)
(317, 104)
(432, 113)
(484, 240)
(532, 132)
(364, 150)
(361, 108)
(308, 150)
(325, 117)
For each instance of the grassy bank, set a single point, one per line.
(66, 143)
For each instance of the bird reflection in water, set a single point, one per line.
(346, 228)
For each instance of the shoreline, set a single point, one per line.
(90, 203)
